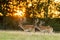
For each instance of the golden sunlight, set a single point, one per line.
(30, 4)
(1, 14)
(8, 14)
(19, 13)
(57, 1)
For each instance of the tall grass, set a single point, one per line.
(17, 35)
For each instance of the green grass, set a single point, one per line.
(17, 35)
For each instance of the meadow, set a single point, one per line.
(19, 35)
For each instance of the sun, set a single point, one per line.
(19, 13)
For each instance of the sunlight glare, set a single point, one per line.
(19, 13)
(57, 1)
(30, 4)
(1, 14)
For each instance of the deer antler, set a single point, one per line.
(41, 22)
(36, 21)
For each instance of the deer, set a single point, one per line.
(47, 29)
(27, 27)
(44, 29)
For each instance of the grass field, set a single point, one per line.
(18, 35)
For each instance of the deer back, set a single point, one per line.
(46, 28)
(28, 27)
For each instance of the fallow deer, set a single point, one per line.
(46, 29)
(28, 28)
(42, 28)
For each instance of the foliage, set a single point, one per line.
(36, 9)
(10, 23)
